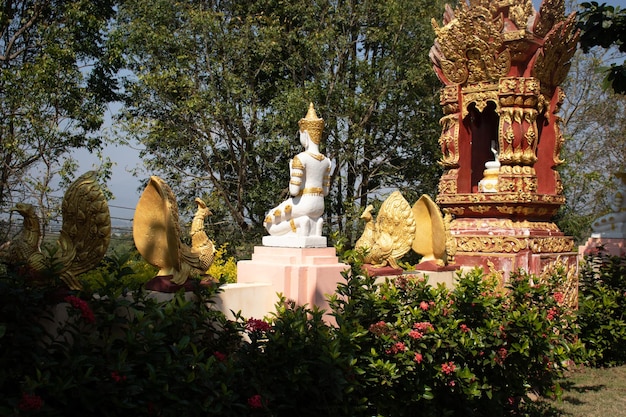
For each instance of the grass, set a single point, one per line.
(589, 392)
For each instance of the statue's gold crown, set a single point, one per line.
(312, 124)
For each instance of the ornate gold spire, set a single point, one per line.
(312, 124)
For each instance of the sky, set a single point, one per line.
(125, 186)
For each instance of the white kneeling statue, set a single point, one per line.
(297, 221)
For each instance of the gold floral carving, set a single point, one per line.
(469, 48)
(479, 94)
(551, 12)
(455, 211)
(447, 187)
(449, 95)
(551, 244)
(479, 209)
(525, 225)
(552, 65)
(449, 140)
(560, 140)
(513, 244)
(490, 244)
(550, 199)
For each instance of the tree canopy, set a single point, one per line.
(53, 86)
(605, 26)
(216, 90)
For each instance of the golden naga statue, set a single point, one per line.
(399, 228)
(85, 234)
(157, 234)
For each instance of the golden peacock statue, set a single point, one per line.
(84, 239)
(399, 228)
(157, 234)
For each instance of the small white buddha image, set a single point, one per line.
(489, 183)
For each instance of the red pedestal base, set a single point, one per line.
(503, 246)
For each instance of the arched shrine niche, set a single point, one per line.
(482, 126)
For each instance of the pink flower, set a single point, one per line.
(85, 311)
(423, 326)
(30, 402)
(552, 313)
(256, 325)
(255, 401)
(418, 358)
(448, 368)
(220, 356)
(397, 347)
(558, 297)
(414, 334)
(501, 356)
(464, 328)
(424, 305)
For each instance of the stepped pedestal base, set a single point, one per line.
(305, 275)
(610, 246)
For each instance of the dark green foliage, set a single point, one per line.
(56, 77)
(298, 366)
(605, 26)
(602, 308)
(475, 350)
(400, 348)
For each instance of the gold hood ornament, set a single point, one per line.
(85, 234)
(157, 234)
(399, 228)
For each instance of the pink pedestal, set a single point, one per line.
(612, 246)
(306, 275)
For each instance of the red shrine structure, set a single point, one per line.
(502, 63)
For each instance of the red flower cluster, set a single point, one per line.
(423, 326)
(501, 356)
(552, 313)
(85, 310)
(558, 297)
(115, 376)
(256, 325)
(255, 401)
(448, 368)
(30, 402)
(464, 328)
(379, 328)
(414, 334)
(220, 356)
(424, 305)
(397, 347)
(418, 358)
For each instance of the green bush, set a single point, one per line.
(423, 350)
(115, 354)
(400, 348)
(602, 308)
